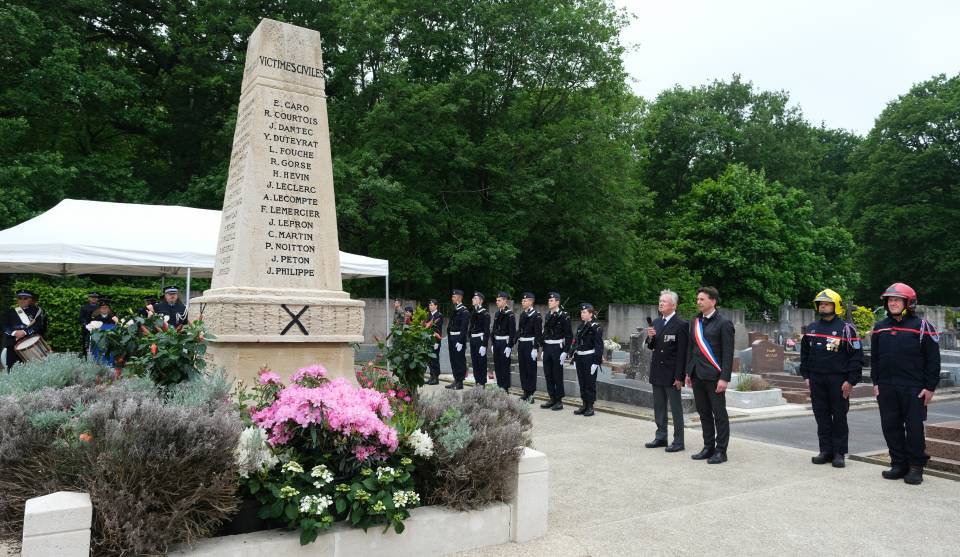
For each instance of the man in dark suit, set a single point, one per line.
(669, 338)
(709, 366)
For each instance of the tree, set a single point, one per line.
(757, 241)
(904, 199)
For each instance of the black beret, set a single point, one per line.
(433, 301)
(503, 295)
(457, 292)
(586, 305)
(554, 295)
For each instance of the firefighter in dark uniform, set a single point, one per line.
(709, 367)
(587, 353)
(831, 363)
(504, 336)
(457, 338)
(436, 325)
(479, 339)
(172, 307)
(529, 332)
(905, 369)
(25, 320)
(557, 336)
(86, 310)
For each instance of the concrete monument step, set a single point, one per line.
(944, 464)
(943, 449)
(947, 431)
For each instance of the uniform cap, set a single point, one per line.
(480, 295)
(171, 290)
(528, 296)
(503, 295)
(457, 292)
(26, 294)
(554, 295)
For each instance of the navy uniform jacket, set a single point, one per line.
(177, 312)
(831, 347)
(670, 347)
(86, 310)
(458, 324)
(589, 337)
(480, 323)
(505, 324)
(558, 327)
(531, 325)
(719, 332)
(905, 353)
(436, 323)
(13, 323)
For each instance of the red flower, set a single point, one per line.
(153, 349)
(86, 437)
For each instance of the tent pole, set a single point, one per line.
(187, 301)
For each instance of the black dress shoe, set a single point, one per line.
(548, 404)
(530, 399)
(914, 476)
(821, 458)
(838, 461)
(656, 443)
(718, 457)
(674, 448)
(704, 454)
(451, 385)
(589, 411)
(558, 405)
(458, 385)
(433, 382)
(580, 410)
(895, 472)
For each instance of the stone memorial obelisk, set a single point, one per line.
(276, 298)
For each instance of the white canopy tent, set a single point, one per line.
(143, 240)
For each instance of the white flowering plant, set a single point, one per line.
(610, 344)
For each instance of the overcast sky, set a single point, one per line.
(841, 61)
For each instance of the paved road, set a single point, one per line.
(865, 435)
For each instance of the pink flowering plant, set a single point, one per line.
(338, 454)
(375, 377)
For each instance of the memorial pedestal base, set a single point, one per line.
(243, 360)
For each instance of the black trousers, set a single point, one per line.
(901, 418)
(528, 367)
(553, 371)
(661, 395)
(830, 410)
(85, 336)
(434, 365)
(12, 356)
(501, 363)
(458, 358)
(478, 362)
(712, 407)
(586, 379)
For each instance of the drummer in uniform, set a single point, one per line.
(172, 307)
(26, 320)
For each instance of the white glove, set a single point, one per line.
(594, 368)
(533, 354)
(483, 351)
(507, 351)
(459, 347)
(563, 357)
(436, 346)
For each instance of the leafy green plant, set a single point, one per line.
(747, 382)
(408, 350)
(863, 319)
(168, 355)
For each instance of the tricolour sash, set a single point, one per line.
(704, 345)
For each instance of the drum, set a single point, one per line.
(32, 348)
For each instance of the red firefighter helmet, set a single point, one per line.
(901, 290)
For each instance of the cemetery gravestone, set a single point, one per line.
(766, 356)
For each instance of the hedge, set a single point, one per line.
(62, 306)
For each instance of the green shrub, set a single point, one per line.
(56, 370)
(481, 471)
(62, 305)
(863, 319)
(159, 471)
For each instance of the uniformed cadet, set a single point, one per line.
(831, 363)
(86, 310)
(479, 339)
(709, 368)
(148, 308)
(557, 336)
(529, 334)
(436, 325)
(905, 369)
(456, 339)
(172, 307)
(504, 336)
(588, 357)
(669, 338)
(25, 320)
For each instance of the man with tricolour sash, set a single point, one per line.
(709, 368)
